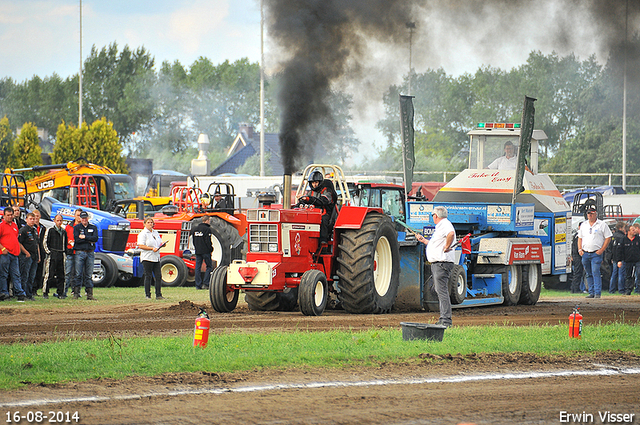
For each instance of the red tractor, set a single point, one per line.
(174, 223)
(286, 266)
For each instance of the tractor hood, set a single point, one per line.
(497, 186)
(101, 219)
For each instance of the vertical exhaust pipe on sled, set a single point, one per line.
(286, 188)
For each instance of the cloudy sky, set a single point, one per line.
(41, 37)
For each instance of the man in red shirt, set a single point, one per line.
(70, 255)
(9, 251)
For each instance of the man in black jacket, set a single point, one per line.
(629, 253)
(201, 235)
(29, 255)
(85, 236)
(54, 243)
(617, 272)
(322, 195)
(577, 271)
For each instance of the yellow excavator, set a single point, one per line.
(63, 182)
(85, 184)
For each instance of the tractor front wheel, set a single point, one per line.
(223, 299)
(313, 293)
(174, 271)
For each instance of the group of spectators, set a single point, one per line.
(33, 257)
(593, 239)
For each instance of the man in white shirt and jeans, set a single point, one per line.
(441, 257)
(593, 238)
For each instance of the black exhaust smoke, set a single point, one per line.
(322, 40)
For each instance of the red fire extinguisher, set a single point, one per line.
(575, 324)
(201, 332)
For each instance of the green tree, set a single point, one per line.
(43, 102)
(223, 96)
(98, 144)
(6, 143)
(26, 149)
(117, 85)
(69, 144)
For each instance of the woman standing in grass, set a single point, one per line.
(150, 242)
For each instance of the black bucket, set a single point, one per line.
(411, 331)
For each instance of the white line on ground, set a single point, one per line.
(608, 370)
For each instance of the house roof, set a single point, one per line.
(245, 145)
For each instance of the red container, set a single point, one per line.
(201, 331)
(575, 324)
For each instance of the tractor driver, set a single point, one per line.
(322, 195)
(509, 161)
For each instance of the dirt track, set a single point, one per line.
(91, 320)
(242, 398)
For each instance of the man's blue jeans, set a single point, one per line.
(84, 269)
(200, 282)
(617, 278)
(591, 263)
(69, 271)
(10, 266)
(28, 268)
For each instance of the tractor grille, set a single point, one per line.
(114, 240)
(263, 235)
(263, 215)
(184, 235)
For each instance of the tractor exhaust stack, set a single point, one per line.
(286, 188)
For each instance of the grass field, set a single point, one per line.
(74, 359)
(79, 360)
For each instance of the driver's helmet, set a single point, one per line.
(316, 176)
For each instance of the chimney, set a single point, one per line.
(247, 130)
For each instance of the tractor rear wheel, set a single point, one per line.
(271, 300)
(531, 284)
(369, 266)
(313, 293)
(223, 299)
(227, 243)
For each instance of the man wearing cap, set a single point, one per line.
(509, 161)
(85, 236)
(593, 238)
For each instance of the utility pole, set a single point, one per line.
(80, 76)
(261, 88)
(624, 102)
